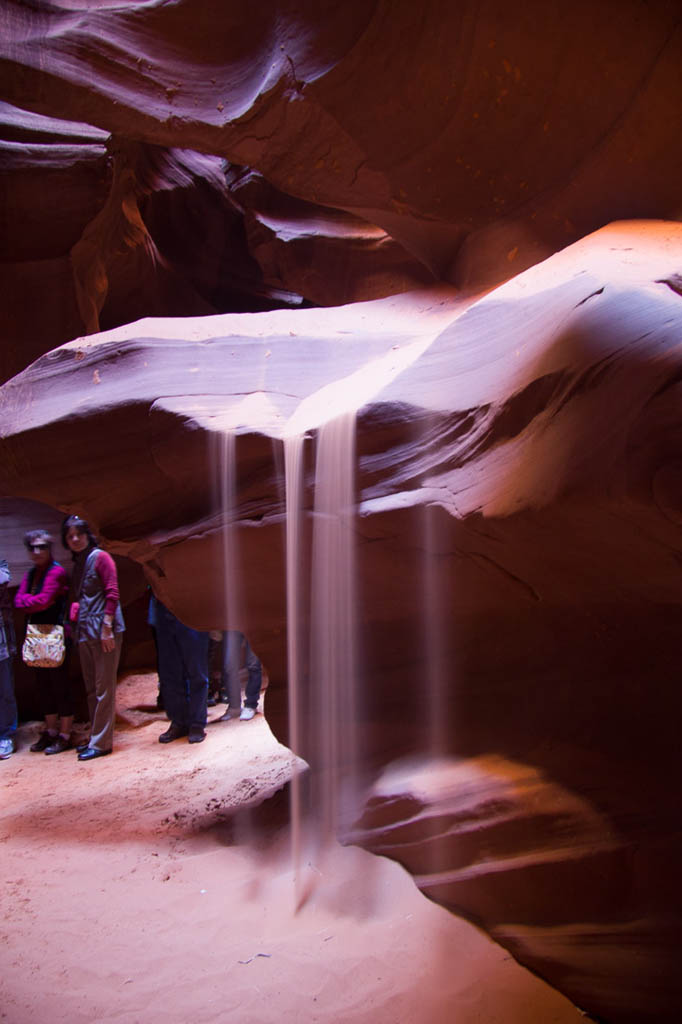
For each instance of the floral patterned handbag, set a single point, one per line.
(43, 646)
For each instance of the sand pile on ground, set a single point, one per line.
(147, 886)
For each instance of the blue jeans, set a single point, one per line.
(231, 662)
(183, 669)
(8, 704)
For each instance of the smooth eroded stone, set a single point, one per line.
(480, 140)
(517, 551)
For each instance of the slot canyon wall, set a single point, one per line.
(462, 221)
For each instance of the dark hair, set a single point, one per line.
(32, 537)
(82, 525)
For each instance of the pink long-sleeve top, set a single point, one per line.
(54, 584)
(105, 568)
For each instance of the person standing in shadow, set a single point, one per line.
(233, 642)
(183, 675)
(8, 704)
(42, 596)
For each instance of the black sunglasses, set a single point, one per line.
(38, 547)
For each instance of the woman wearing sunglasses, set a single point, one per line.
(41, 595)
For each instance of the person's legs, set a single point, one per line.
(215, 674)
(159, 697)
(194, 649)
(255, 678)
(44, 678)
(8, 709)
(232, 651)
(54, 683)
(88, 674)
(103, 668)
(65, 725)
(173, 686)
(48, 708)
(52, 723)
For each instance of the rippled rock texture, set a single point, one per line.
(567, 885)
(230, 158)
(519, 504)
(180, 183)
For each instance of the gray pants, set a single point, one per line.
(232, 654)
(99, 675)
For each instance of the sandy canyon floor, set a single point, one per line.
(150, 886)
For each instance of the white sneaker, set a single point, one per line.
(6, 748)
(247, 714)
(229, 715)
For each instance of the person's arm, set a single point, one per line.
(54, 585)
(106, 570)
(23, 589)
(6, 627)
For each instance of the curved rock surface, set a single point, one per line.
(519, 473)
(547, 872)
(53, 181)
(452, 114)
(399, 144)
(107, 230)
(518, 469)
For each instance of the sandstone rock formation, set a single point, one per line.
(109, 230)
(543, 868)
(518, 556)
(316, 152)
(53, 180)
(519, 475)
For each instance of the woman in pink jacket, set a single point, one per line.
(42, 595)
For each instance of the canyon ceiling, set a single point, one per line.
(200, 156)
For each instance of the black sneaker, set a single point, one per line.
(196, 734)
(173, 732)
(59, 745)
(43, 741)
